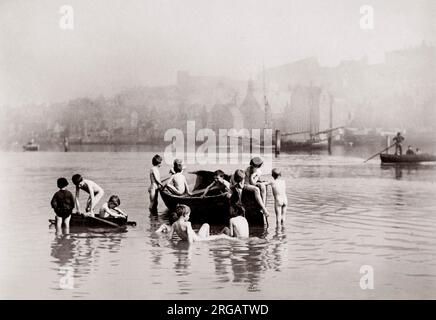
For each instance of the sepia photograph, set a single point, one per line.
(231, 150)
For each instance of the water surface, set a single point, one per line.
(342, 214)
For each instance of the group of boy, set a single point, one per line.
(63, 202)
(240, 181)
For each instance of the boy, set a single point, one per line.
(63, 204)
(252, 175)
(94, 190)
(183, 228)
(236, 192)
(238, 223)
(110, 209)
(177, 184)
(278, 187)
(155, 183)
(219, 183)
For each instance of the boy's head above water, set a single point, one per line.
(276, 173)
(157, 160)
(183, 210)
(77, 179)
(237, 210)
(62, 183)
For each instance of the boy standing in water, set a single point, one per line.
(280, 199)
(155, 183)
(94, 190)
(63, 204)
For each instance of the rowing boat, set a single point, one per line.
(80, 220)
(415, 158)
(214, 207)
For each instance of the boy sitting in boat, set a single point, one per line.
(239, 186)
(238, 224)
(110, 209)
(177, 184)
(63, 204)
(219, 183)
(94, 190)
(410, 151)
(183, 228)
(278, 187)
(252, 177)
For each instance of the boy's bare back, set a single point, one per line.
(279, 190)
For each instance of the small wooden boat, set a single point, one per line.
(214, 207)
(415, 158)
(80, 220)
(31, 147)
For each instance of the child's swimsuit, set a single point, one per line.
(63, 203)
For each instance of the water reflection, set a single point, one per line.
(399, 169)
(76, 253)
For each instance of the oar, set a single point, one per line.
(379, 152)
(104, 221)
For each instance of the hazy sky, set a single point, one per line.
(124, 43)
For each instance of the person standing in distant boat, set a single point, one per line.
(398, 140)
(66, 144)
(155, 183)
(94, 190)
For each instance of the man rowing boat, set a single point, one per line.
(398, 139)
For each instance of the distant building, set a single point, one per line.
(252, 113)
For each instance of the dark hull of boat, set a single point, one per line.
(90, 222)
(31, 148)
(297, 146)
(392, 158)
(213, 209)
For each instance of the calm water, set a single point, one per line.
(343, 214)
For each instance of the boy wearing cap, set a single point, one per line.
(62, 204)
(252, 175)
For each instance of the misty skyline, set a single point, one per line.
(121, 44)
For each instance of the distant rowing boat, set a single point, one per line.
(31, 147)
(415, 158)
(213, 208)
